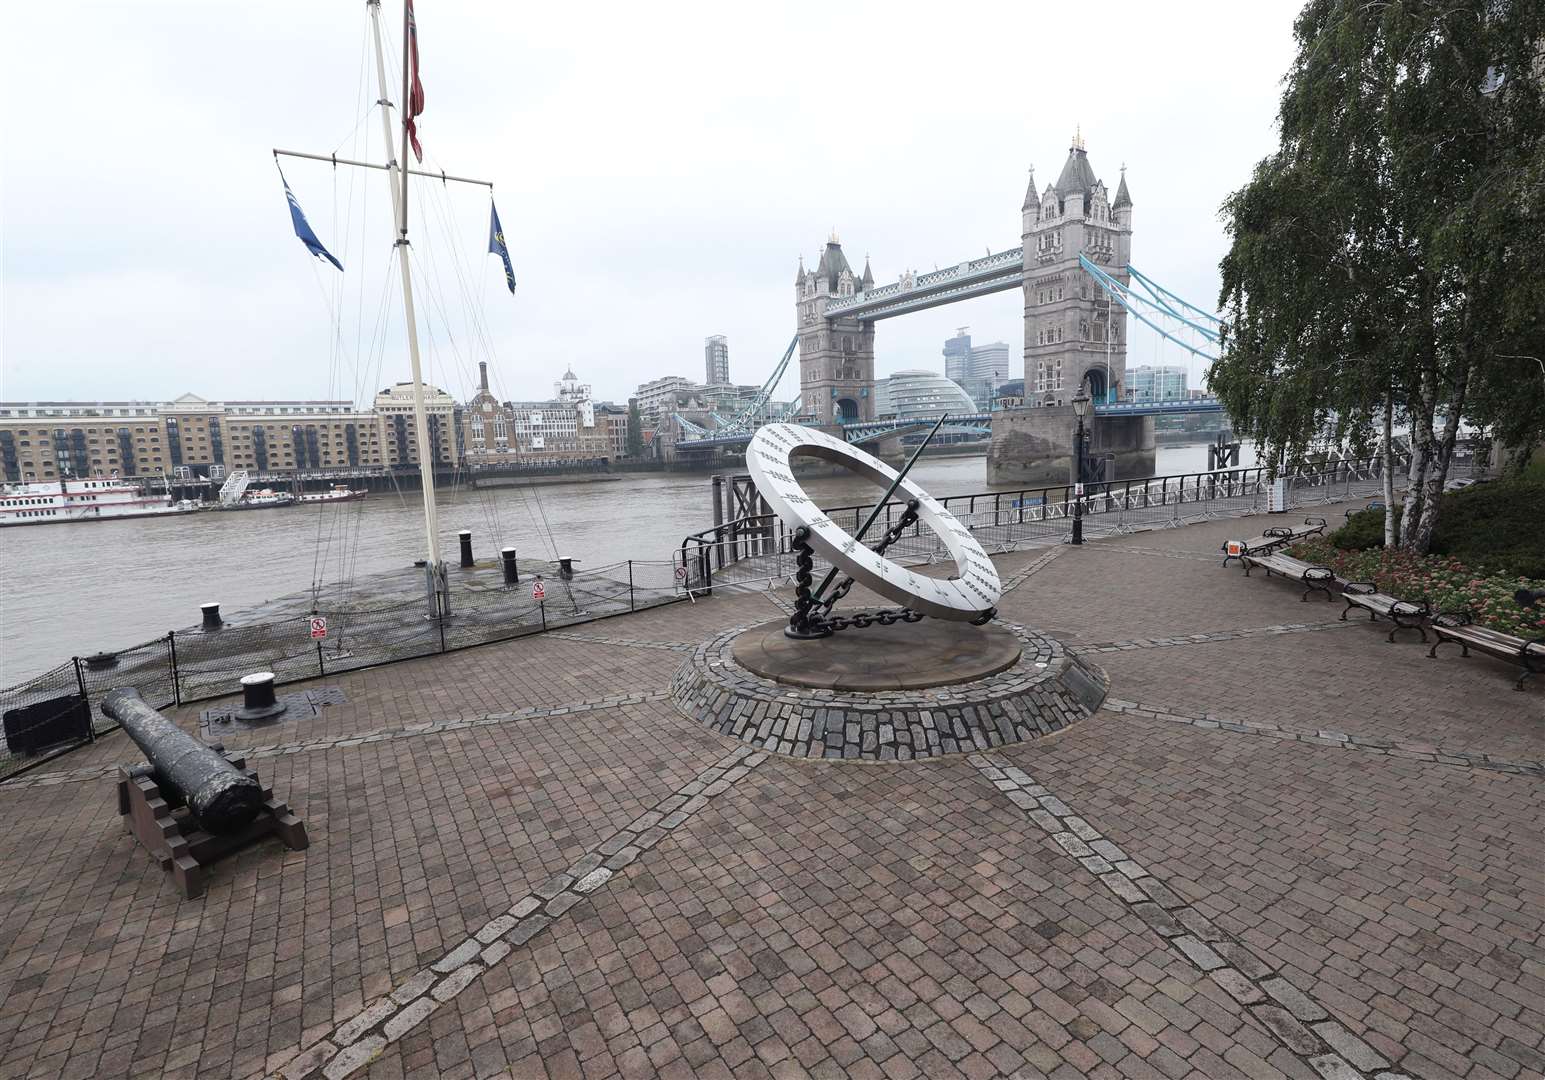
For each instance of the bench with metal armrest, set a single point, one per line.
(1405, 614)
(1278, 536)
(1313, 578)
(1459, 627)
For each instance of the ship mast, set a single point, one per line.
(436, 584)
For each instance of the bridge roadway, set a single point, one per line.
(868, 430)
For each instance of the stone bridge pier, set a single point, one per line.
(1034, 447)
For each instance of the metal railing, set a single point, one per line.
(755, 550)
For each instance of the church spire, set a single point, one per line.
(1032, 197)
(867, 281)
(799, 278)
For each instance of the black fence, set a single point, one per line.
(60, 710)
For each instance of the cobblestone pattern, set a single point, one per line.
(354, 1043)
(1297, 1021)
(630, 643)
(1328, 737)
(412, 731)
(1037, 696)
(1219, 635)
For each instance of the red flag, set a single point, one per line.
(416, 93)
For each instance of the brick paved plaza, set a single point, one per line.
(1284, 847)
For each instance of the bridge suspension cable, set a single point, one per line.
(753, 414)
(1147, 310)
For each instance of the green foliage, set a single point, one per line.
(1497, 527)
(635, 430)
(1494, 528)
(1363, 530)
(1388, 251)
(1445, 582)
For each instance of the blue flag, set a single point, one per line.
(303, 227)
(496, 245)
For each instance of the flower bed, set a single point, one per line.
(1445, 582)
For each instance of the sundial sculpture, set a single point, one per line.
(970, 596)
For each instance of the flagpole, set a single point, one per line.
(439, 597)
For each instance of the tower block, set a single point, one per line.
(836, 356)
(1073, 331)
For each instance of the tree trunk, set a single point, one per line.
(1390, 537)
(1422, 441)
(1419, 531)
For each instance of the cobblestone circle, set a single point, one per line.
(1046, 691)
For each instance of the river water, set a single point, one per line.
(70, 590)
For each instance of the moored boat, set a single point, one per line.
(101, 499)
(337, 493)
(263, 499)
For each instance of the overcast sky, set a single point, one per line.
(659, 169)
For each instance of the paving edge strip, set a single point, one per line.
(1368, 744)
(351, 1045)
(1290, 1015)
(359, 738)
(1019, 577)
(627, 643)
(1216, 635)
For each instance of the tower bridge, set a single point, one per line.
(1072, 268)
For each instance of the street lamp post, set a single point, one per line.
(1081, 405)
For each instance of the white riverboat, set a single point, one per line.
(337, 493)
(53, 503)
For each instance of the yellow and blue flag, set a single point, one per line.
(496, 245)
(303, 227)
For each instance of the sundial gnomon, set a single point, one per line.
(970, 596)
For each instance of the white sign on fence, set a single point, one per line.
(681, 573)
(318, 627)
(538, 590)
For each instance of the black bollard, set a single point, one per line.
(566, 568)
(466, 547)
(211, 614)
(511, 570)
(223, 800)
(257, 697)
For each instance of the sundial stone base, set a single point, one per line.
(896, 693)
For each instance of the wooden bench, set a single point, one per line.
(1313, 578)
(1405, 614)
(1459, 627)
(1278, 536)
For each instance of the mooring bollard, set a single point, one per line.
(466, 547)
(566, 568)
(511, 570)
(211, 614)
(257, 697)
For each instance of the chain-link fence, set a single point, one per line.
(60, 709)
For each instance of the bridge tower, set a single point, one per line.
(1067, 315)
(836, 355)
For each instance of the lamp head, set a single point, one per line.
(1081, 403)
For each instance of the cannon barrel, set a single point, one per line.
(223, 799)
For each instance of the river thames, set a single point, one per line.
(71, 590)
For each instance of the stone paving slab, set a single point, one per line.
(1404, 900)
(1223, 875)
(849, 921)
(1351, 680)
(414, 844)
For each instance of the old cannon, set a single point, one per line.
(223, 799)
(226, 806)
